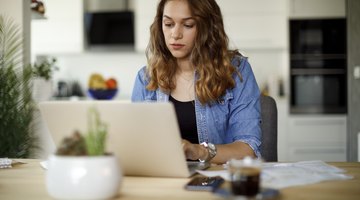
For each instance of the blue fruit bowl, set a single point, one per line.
(102, 94)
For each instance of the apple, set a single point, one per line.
(111, 83)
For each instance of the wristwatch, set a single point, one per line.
(211, 149)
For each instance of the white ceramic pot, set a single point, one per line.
(83, 177)
(42, 89)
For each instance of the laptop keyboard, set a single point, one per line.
(195, 165)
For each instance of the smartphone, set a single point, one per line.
(201, 183)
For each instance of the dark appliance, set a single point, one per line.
(109, 29)
(318, 66)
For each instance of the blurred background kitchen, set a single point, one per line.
(304, 53)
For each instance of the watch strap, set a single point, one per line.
(211, 148)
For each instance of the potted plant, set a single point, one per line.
(81, 168)
(42, 83)
(17, 132)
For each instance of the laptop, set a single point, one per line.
(144, 136)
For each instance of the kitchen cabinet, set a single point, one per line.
(248, 23)
(62, 31)
(310, 137)
(317, 8)
(316, 137)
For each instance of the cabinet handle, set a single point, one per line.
(317, 123)
(319, 151)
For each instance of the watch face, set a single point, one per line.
(211, 146)
(212, 150)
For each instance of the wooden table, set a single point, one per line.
(27, 181)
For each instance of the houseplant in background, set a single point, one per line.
(17, 133)
(42, 83)
(81, 169)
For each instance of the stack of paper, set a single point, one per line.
(282, 175)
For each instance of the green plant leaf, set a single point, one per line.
(45, 68)
(96, 136)
(17, 130)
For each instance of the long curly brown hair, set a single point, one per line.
(210, 55)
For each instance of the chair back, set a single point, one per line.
(269, 128)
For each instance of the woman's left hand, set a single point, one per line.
(225, 152)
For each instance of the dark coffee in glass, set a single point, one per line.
(245, 176)
(245, 181)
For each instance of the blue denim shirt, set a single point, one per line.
(234, 117)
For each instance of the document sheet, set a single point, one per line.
(282, 175)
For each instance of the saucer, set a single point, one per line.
(265, 193)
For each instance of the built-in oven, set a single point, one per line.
(318, 63)
(318, 92)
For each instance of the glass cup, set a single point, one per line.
(245, 176)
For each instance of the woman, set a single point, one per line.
(214, 90)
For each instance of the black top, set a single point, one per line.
(185, 113)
